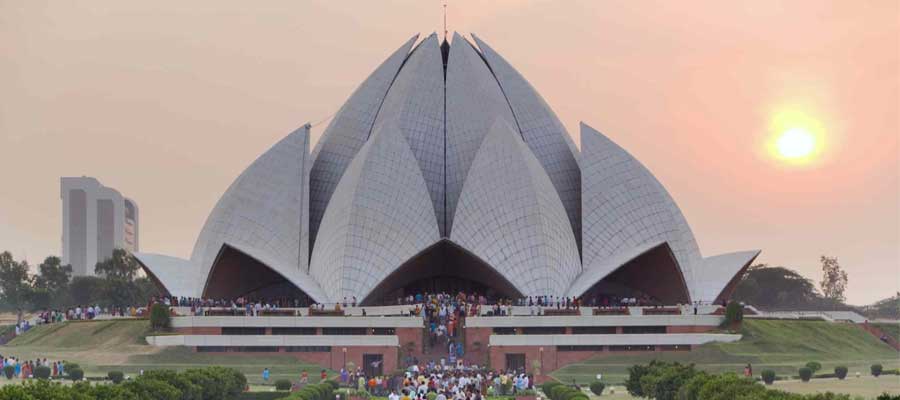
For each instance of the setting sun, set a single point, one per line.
(796, 143)
(796, 137)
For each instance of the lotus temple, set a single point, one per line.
(446, 171)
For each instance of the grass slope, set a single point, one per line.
(87, 334)
(892, 330)
(103, 346)
(783, 346)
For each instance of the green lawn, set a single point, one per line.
(783, 346)
(103, 346)
(892, 330)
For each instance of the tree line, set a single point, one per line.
(775, 288)
(117, 283)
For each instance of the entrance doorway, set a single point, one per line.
(443, 267)
(515, 362)
(373, 364)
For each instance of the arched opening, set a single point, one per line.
(235, 274)
(161, 289)
(442, 267)
(653, 276)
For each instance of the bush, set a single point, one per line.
(732, 386)
(146, 388)
(691, 389)
(10, 371)
(597, 387)
(115, 376)
(261, 396)
(840, 371)
(664, 380)
(283, 384)
(815, 366)
(189, 391)
(159, 317)
(876, 369)
(548, 386)
(768, 376)
(76, 374)
(888, 396)
(734, 313)
(556, 393)
(42, 372)
(805, 374)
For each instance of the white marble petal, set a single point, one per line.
(262, 211)
(380, 215)
(348, 131)
(542, 131)
(474, 101)
(510, 216)
(625, 207)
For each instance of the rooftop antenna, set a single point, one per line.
(445, 19)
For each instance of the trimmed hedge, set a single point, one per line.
(840, 371)
(160, 319)
(42, 372)
(805, 374)
(115, 376)
(283, 384)
(768, 376)
(597, 388)
(261, 396)
(76, 374)
(214, 383)
(815, 366)
(876, 369)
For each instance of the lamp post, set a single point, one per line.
(541, 350)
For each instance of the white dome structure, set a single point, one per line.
(445, 170)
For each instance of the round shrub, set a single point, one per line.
(76, 374)
(815, 366)
(597, 387)
(805, 374)
(876, 369)
(115, 376)
(768, 376)
(548, 386)
(283, 384)
(159, 317)
(557, 392)
(42, 372)
(840, 372)
(734, 313)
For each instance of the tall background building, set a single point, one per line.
(96, 220)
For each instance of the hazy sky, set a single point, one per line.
(168, 101)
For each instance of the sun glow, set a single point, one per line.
(796, 138)
(796, 143)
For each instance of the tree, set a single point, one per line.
(85, 289)
(50, 286)
(14, 283)
(775, 288)
(834, 279)
(52, 275)
(118, 272)
(120, 266)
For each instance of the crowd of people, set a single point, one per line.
(24, 369)
(240, 302)
(455, 381)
